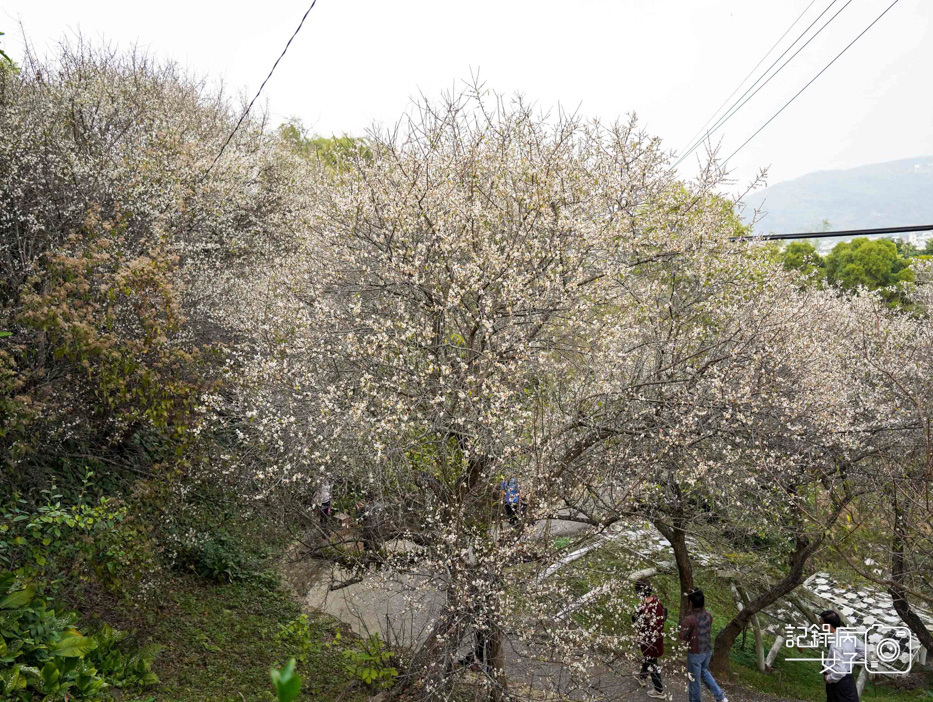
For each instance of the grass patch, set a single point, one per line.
(802, 681)
(221, 639)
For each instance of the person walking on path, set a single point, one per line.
(696, 630)
(649, 618)
(322, 499)
(477, 659)
(512, 499)
(844, 652)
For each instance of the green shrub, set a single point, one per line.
(207, 529)
(123, 665)
(301, 638)
(56, 543)
(44, 657)
(219, 557)
(369, 661)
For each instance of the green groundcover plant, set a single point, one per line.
(43, 656)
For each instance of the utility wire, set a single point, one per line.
(842, 232)
(738, 104)
(256, 96)
(786, 104)
(694, 143)
(739, 86)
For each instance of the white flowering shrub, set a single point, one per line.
(114, 242)
(489, 296)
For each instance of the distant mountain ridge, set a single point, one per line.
(894, 193)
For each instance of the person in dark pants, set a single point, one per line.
(512, 500)
(478, 658)
(844, 652)
(649, 618)
(696, 630)
(323, 506)
(475, 595)
(480, 649)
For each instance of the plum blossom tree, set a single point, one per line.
(729, 416)
(487, 295)
(889, 384)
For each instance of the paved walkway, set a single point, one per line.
(402, 608)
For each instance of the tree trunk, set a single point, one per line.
(678, 538)
(741, 600)
(897, 590)
(723, 644)
(430, 663)
(775, 650)
(759, 643)
(807, 612)
(496, 664)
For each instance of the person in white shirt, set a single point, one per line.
(323, 505)
(845, 651)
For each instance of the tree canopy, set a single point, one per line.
(867, 263)
(872, 264)
(331, 151)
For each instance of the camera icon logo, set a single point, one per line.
(890, 650)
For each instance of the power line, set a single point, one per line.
(761, 61)
(256, 96)
(741, 102)
(842, 232)
(734, 107)
(811, 80)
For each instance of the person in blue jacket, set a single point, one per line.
(512, 499)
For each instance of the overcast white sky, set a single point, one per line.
(671, 61)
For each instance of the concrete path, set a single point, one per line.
(402, 610)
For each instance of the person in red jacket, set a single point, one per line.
(649, 618)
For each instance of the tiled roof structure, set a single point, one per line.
(860, 607)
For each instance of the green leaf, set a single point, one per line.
(66, 666)
(287, 683)
(72, 645)
(50, 676)
(30, 673)
(11, 680)
(4, 334)
(17, 599)
(13, 650)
